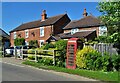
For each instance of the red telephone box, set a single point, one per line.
(72, 46)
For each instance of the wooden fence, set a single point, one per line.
(22, 54)
(102, 47)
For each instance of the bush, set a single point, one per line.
(61, 55)
(62, 46)
(31, 57)
(33, 43)
(106, 62)
(31, 51)
(88, 58)
(38, 50)
(116, 62)
(19, 41)
(46, 61)
(48, 45)
(80, 56)
(93, 60)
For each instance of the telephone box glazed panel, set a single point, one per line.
(72, 46)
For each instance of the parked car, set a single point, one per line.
(9, 51)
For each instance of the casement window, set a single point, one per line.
(102, 30)
(41, 31)
(26, 33)
(74, 31)
(15, 35)
(41, 43)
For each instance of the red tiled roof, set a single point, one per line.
(87, 21)
(38, 23)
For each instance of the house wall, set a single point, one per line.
(92, 28)
(80, 29)
(36, 36)
(12, 39)
(58, 27)
(48, 31)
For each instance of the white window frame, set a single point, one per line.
(26, 33)
(15, 35)
(41, 43)
(41, 32)
(102, 30)
(74, 30)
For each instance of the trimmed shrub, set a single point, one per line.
(81, 56)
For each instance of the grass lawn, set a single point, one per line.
(99, 75)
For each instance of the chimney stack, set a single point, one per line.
(44, 15)
(85, 13)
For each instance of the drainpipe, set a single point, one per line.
(52, 30)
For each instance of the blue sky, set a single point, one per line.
(16, 13)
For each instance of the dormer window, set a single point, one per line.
(26, 33)
(74, 30)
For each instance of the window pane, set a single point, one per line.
(41, 31)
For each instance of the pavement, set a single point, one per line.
(13, 70)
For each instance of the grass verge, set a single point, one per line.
(99, 75)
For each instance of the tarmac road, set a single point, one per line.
(13, 70)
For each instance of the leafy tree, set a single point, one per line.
(114, 38)
(19, 41)
(110, 15)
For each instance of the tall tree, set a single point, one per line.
(110, 15)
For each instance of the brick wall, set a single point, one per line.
(48, 31)
(58, 27)
(34, 34)
(91, 28)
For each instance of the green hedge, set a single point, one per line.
(90, 59)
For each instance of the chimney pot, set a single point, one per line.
(44, 15)
(85, 13)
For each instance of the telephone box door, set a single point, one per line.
(71, 54)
